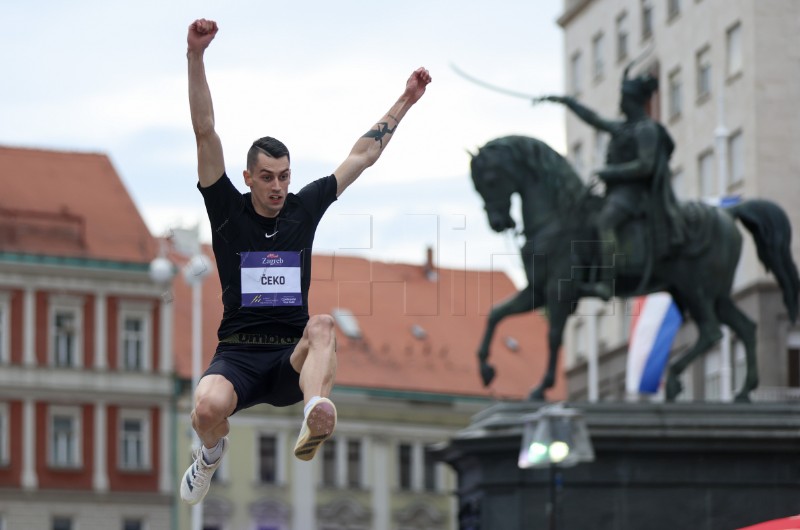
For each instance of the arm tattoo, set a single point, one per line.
(381, 131)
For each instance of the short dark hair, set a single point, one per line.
(269, 146)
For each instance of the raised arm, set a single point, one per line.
(369, 147)
(584, 113)
(210, 162)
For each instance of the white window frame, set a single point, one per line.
(598, 56)
(144, 417)
(575, 73)
(703, 66)
(648, 19)
(66, 304)
(734, 50)
(673, 9)
(144, 312)
(675, 96)
(74, 413)
(5, 422)
(622, 36)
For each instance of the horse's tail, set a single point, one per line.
(772, 233)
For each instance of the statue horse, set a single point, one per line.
(560, 246)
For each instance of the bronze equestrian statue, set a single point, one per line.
(689, 249)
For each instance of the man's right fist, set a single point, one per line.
(201, 33)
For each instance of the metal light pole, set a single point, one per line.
(554, 437)
(187, 242)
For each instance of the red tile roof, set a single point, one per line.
(69, 204)
(388, 300)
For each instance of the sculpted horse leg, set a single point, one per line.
(745, 329)
(557, 319)
(522, 302)
(702, 311)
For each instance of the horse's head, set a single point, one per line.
(493, 180)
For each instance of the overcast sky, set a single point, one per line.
(110, 77)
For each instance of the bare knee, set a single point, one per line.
(213, 405)
(320, 330)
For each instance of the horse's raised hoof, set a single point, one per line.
(537, 394)
(673, 388)
(487, 373)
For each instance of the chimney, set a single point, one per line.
(430, 268)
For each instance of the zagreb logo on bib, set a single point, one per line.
(271, 279)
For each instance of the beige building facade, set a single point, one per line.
(728, 87)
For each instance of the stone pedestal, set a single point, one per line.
(657, 466)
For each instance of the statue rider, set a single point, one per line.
(636, 176)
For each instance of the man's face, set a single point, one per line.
(268, 181)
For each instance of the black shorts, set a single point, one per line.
(258, 374)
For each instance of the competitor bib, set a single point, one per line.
(271, 279)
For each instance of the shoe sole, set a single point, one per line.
(320, 423)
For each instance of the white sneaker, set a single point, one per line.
(318, 426)
(197, 478)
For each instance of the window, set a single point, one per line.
(673, 9)
(134, 336)
(733, 44)
(575, 66)
(132, 524)
(354, 463)
(5, 330)
(64, 347)
(132, 342)
(675, 101)
(4, 436)
(430, 480)
(134, 450)
(329, 463)
(622, 37)
(62, 523)
(598, 65)
(268, 459)
(705, 171)
(736, 157)
(647, 19)
(703, 62)
(65, 440)
(404, 466)
(66, 342)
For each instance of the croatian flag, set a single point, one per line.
(656, 320)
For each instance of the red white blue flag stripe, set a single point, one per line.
(656, 321)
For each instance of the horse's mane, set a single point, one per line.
(527, 157)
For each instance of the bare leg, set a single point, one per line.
(314, 358)
(214, 401)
